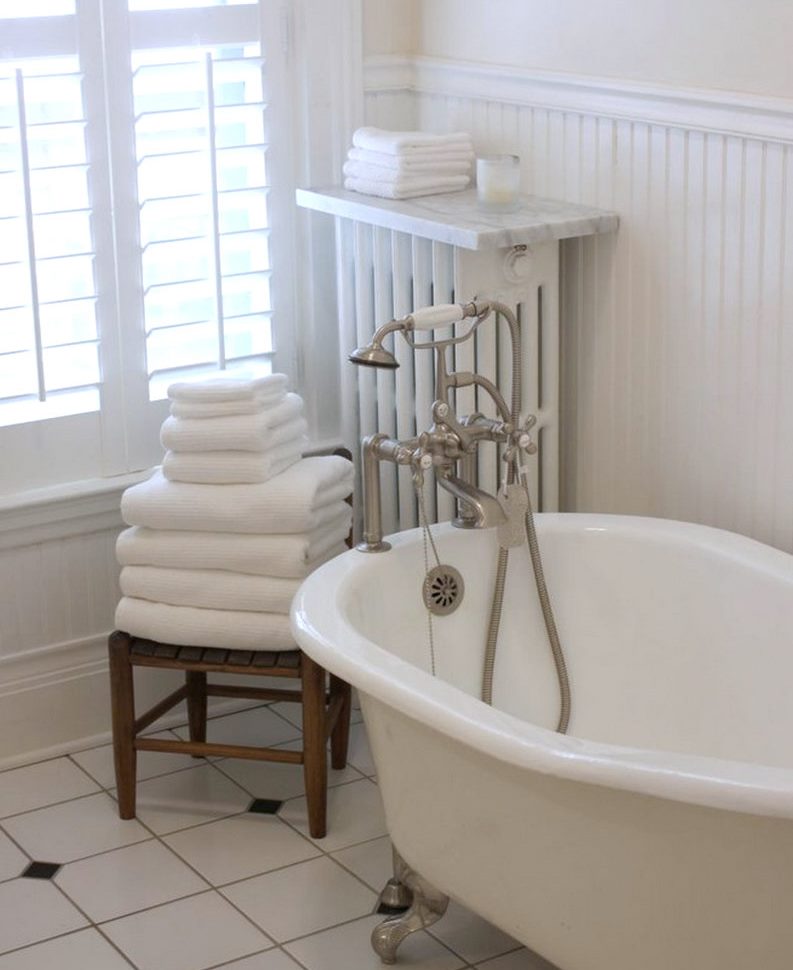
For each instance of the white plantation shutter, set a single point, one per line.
(143, 227)
(48, 330)
(202, 195)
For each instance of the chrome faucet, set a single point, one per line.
(450, 444)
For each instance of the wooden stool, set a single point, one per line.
(326, 713)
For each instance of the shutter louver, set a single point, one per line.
(202, 192)
(49, 364)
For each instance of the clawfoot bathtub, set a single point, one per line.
(657, 835)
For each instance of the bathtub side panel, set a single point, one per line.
(589, 877)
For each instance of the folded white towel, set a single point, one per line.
(384, 173)
(298, 500)
(211, 589)
(192, 627)
(231, 467)
(395, 142)
(289, 556)
(228, 388)
(407, 188)
(235, 432)
(219, 409)
(417, 160)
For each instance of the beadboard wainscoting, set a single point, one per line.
(58, 593)
(58, 590)
(677, 332)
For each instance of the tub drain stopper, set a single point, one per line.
(443, 590)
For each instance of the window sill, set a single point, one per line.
(59, 511)
(78, 508)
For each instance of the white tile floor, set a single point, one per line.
(197, 881)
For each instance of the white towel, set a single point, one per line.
(385, 173)
(298, 500)
(395, 142)
(228, 388)
(219, 409)
(211, 589)
(407, 188)
(418, 160)
(191, 627)
(289, 556)
(236, 432)
(232, 467)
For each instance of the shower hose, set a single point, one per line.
(497, 603)
(496, 610)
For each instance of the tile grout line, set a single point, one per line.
(91, 923)
(115, 946)
(246, 956)
(61, 936)
(11, 839)
(445, 946)
(62, 801)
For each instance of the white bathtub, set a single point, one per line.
(658, 835)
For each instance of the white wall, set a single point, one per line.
(389, 26)
(741, 45)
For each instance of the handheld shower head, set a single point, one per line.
(375, 354)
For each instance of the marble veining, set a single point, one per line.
(458, 219)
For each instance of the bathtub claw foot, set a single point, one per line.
(426, 908)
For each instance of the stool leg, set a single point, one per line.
(340, 735)
(315, 765)
(196, 682)
(122, 701)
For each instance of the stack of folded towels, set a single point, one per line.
(223, 535)
(232, 431)
(406, 164)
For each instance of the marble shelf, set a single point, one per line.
(457, 218)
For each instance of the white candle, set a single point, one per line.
(498, 181)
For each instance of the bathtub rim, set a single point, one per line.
(734, 786)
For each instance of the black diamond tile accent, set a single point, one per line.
(264, 806)
(41, 870)
(384, 910)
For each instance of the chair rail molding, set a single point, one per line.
(723, 112)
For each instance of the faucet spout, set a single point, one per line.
(488, 511)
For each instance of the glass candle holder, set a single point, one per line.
(498, 182)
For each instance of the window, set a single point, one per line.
(138, 197)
